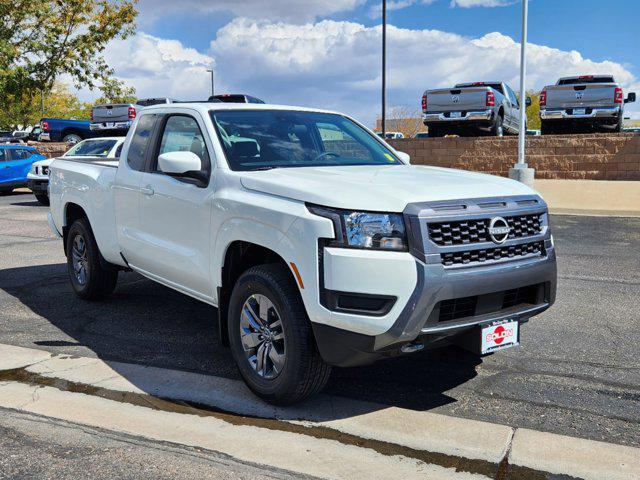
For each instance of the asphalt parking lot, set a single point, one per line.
(577, 372)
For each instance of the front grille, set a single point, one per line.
(463, 232)
(492, 254)
(459, 308)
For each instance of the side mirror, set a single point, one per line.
(182, 165)
(631, 97)
(404, 157)
(527, 101)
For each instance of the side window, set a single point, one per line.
(20, 154)
(182, 134)
(3, 155)
(140, 141)
(513, 97)
(336, 140)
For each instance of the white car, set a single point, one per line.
(319, 244)
(93, 148)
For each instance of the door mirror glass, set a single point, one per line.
(404, 157)
(528, 101)
(179, 163)
(631, 97)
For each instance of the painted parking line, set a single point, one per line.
(418, 442)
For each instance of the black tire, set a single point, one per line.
(618, 126)
(304, 373)
(497, 129)
(546, 129)
(43, 198)
(100, 279)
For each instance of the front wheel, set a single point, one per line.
(43, 198)
(90, 278)
(271, 337)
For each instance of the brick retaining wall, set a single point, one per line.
(591, 157)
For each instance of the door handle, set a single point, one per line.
(148, 190)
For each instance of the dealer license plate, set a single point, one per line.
(579, 111)
(499, 336)
(456, 114)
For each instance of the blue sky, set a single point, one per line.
(326, 52)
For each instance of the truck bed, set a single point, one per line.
(87, 182)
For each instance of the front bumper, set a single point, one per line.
(419, 315)
(590, 113)
(466, 116)
(108, 126)
(38, 186)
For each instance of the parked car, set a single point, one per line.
(592, 101)
(15, 163)
(92, 149)
(390, 135)
(63, 130)
(469, 108)
(8, 137)
(318, 242)
(421, 135)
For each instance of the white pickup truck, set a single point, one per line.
(319, 244)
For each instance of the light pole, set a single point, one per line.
(212, 84)
(384, 67)
(520, 170)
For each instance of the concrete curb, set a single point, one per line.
(420, 431)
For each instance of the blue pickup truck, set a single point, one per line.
(62, 130)
(15, 163)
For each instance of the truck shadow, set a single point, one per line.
(147, 324)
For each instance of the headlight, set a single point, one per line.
(378, 231)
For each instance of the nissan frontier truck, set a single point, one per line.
(319, 244)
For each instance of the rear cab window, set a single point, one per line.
(136, 155)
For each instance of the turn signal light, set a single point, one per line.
(132, 113)
(424, 103)
(543, 98)
(491, 99)
(617, 96)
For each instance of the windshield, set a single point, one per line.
(91, 148)
(264, 139)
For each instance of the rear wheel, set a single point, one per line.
(436, 132)
(271, 337)
(546, 129)
(91, 278)
(618, 126)
(72, 138)
(497, 129)
(43, 198)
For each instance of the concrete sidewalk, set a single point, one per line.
(591, 197)
(327, 437)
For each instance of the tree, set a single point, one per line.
(42, 39)
(404, 119)
(116, 91)
(59, 102)
(533, 112)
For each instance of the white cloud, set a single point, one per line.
(481, 3)
(375, 11)
(159, 67)
(337, 64)
(287, 10)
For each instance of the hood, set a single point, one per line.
(43, 163)
(379, 188)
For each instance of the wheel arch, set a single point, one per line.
(239, 256)
(71, 130)
(71, 212)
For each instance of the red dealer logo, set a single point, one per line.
(499, 334)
